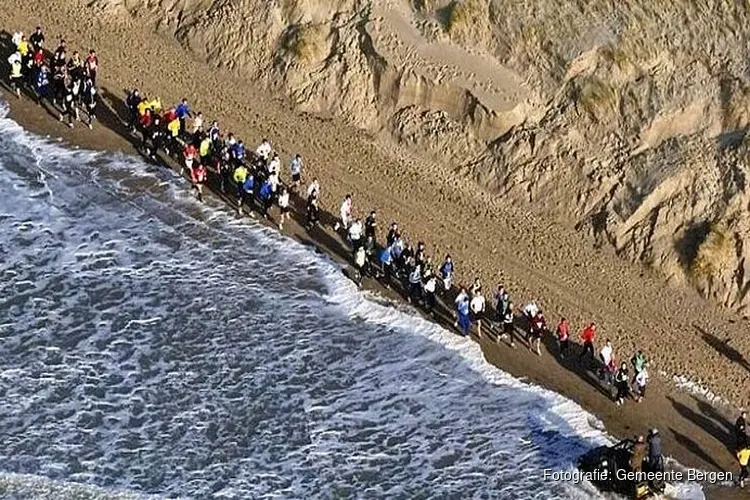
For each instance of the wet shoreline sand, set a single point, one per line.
(694, 432)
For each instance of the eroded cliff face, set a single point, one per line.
(624, 119)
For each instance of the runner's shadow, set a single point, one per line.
(723, 348)
(717, 429)
(712, 413)
(694, 448)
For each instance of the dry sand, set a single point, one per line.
(499, 241)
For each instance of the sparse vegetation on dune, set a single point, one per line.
(714, 254)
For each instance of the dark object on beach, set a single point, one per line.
(604, 461)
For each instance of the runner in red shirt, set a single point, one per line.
(588, 335)
(198, 175)
(92, 65)
(189, 154)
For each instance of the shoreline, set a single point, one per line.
(693, 440)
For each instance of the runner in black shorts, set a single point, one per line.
(295, 168)
(508, 329)
(283, 201)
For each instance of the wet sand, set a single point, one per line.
(449, 215)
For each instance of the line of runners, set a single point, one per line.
(255, 177)
(66, 84)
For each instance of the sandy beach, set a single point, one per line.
(536, 258)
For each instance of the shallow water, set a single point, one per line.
(152, 345)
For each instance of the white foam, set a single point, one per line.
(694, 387)
(42, 488)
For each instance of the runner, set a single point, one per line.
(157, 136)
(386, 262)
(371, 226)
(477, 306)
(355, 234)
(205, 149)
(621, 383)
(314, 187)
(295, 168)
(605, 356)
(415, 286)
(360, 259)
(173, 126)
(563, 337)
(89, 100)
(283, 202)
(197, 125)
(248, 190)
(239, 177)
(345, 211)
(274, 166)
(189, 155)
(536, 332)
(68, 107)
(508, 327)
(132, 102)
(464, 320)
(198, 175)
(430, 287)
(266, 198)
(37, 39)
(16, 73)
(214, 133)
(23, 47)
(588, 335)
(312, 206)
(462, 294)
(182, 110)
(237, 151)
(446, 272)
(639, 363)
(743, 456)
(393, 233)
(42, 84)
(740, 430)
(502, 299)
(59, 58)
(92, 65)
(529, 311)
(264, 150)
(641, 380)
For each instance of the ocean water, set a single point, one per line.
(156, 347)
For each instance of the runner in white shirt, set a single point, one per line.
(605, 355)
(346, 214)
(530, 310)
(477, 306)
(314, 187)
(198, 123)
(640, 384)
(283, 206)
(264, 150)
(273, 180)
(295, 168)
(429, 293)
(355, 234)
